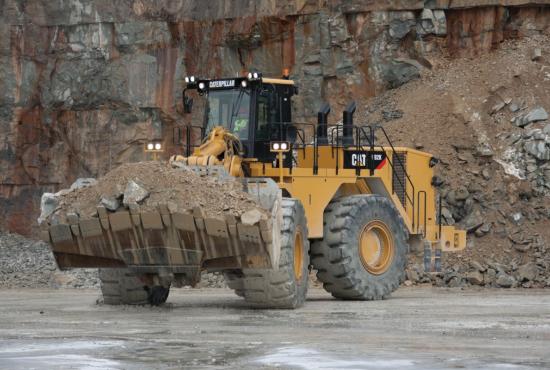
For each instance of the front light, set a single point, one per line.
(150, 146)
(158, 146)
(202, 85)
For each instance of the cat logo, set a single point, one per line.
(221, 84)
(363, 159)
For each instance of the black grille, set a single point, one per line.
(398, 178)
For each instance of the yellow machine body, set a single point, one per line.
(315, 189)
(332, 180)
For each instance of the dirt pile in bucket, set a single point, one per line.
(149, 185)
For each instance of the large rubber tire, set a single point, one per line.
(270, 288)
(234, 280)
(120, 286)
(337, 256)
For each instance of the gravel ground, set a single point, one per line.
(27, 263)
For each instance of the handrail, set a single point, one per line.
(365, 139)
(422, 192)
(412, 201)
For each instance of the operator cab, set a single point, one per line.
(255, 109)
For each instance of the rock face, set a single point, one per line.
(85, 84)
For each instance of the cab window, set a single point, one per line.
(230, 109)
(268, 113)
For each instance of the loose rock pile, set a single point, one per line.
(147, 185)
(26, 263)
(488, 124)
(528, 155)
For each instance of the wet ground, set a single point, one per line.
(418, 328)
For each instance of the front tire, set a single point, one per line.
(285, 287)
(363, 253)
(121, 286)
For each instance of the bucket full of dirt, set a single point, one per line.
(152, 216)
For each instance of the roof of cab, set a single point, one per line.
(277, 81)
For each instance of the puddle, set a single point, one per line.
(41, 354)
(305, 358)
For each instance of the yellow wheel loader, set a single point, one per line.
(343, 201)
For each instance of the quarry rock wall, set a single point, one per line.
(85, 84)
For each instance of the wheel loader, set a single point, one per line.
(343, 201)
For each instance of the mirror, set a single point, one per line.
(291, 133)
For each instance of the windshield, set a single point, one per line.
(230, 109)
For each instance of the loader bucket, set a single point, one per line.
(172, 242)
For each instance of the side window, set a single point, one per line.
(263, 120)
(268, 113)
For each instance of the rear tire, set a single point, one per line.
(285, 287)
(121, 286)
(346, 261)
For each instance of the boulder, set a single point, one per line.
(432, 22)
(447, 216)
(475, 278)
(413, 275)
(505, 281)
(483, 229)
(461, 193)
(134, 193)
(537, 149)
(537, 114)
(440, 22)
(489, 277)
(109, 202)
(251, 217)
(484, 150)
(48, 205)
(513, 107)
(527, 272)
(477, 266)
(399, 28)
(400, 71)
(82, 183)
(473, 221)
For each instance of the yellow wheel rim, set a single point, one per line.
(298, 255)
(376, 247)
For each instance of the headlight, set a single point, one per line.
(158, 146)
(150, 146)
(202, 85)
(276, 146)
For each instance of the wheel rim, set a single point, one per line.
(298, 255)
(376, 247)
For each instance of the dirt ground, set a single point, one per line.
(418, 328)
